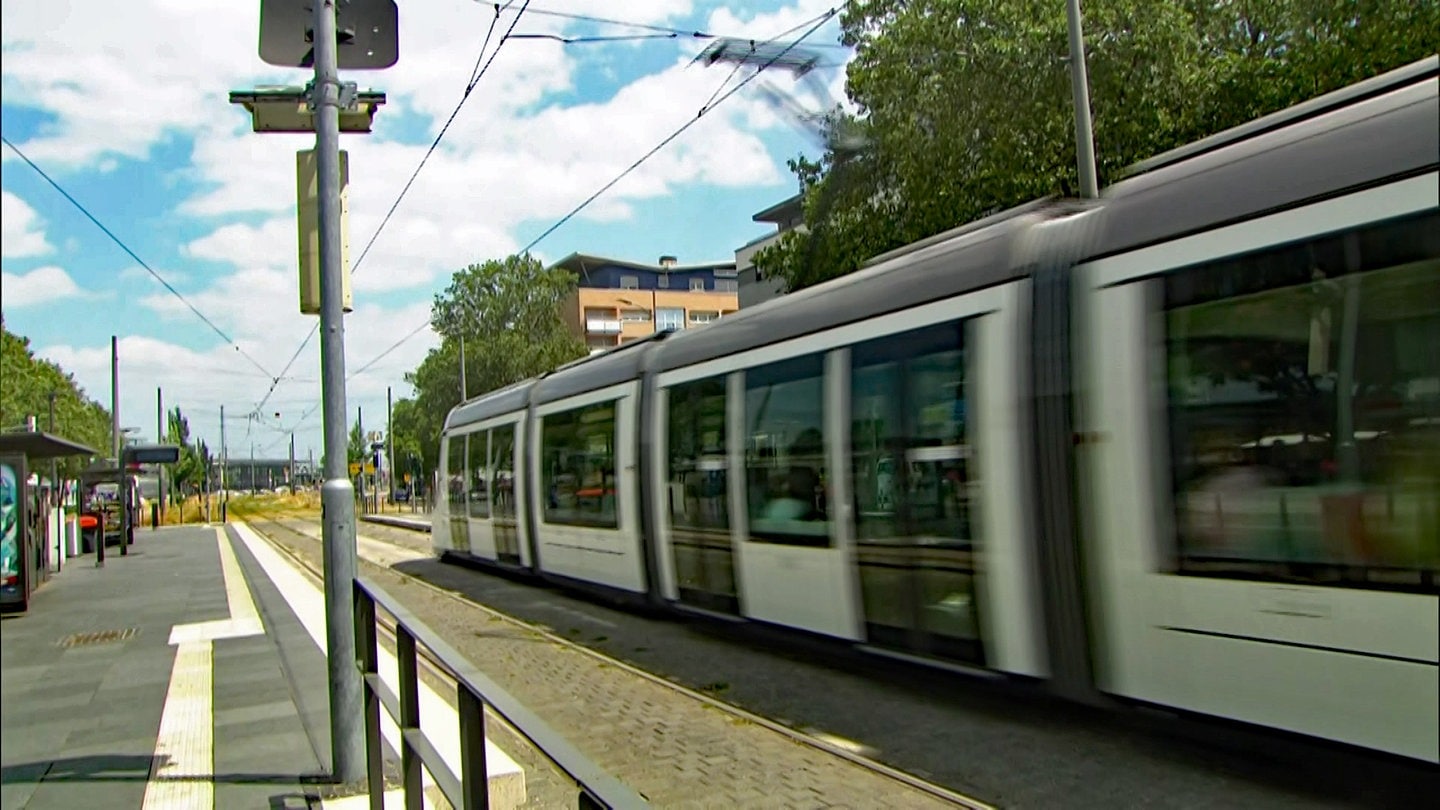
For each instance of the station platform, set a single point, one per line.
(173, 676)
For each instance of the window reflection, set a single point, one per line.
(914, 485)
(698, 494)
(502, 493)
(1304, 392)
(578, 448)
(785, 471)
(479, 495)
(455, 475)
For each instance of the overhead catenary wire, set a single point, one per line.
(815, 24)
(476, 73)
(143, 264)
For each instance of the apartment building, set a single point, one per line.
(618, 300)
(754, 287)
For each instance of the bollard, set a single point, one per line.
(154, 517)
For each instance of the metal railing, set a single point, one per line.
(474, 692)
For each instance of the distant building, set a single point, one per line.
(786, 215)
(618, 301)
(244, 474)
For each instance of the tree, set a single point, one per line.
(188, 474)
(356, 449)
(26, 383)
(508, 313)
(965, 105)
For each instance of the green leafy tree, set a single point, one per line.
(965, 105)
(355, 450)
(508, 313)
(187, 475)
(26, 384)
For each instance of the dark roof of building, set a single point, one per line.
(780, 212)
(580, 263)
(35, 444)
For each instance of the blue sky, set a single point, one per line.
(128, 112)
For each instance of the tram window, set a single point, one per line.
(910, 449)
(699, 460)
(785, 473)
(455, 475)
(578, 449)
(502, 471)
(1304, 404)
(479, 491)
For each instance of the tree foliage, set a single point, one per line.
(26, 383)
(508, 313)
(187, 475)
(965, 105)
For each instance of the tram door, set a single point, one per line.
(913, 478)
(456, 476)
(697, 483)
(502, 494)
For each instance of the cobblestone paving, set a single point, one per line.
(675, 750)
(1003, 744)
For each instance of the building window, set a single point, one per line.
(629, 282)
(635, 315)
(697, 285)
(703, 315)
(1304, 405)
(785, 475)
(670, 318)
(663, 281)
(578, 451)
(727, 285)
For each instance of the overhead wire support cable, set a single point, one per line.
(143, 264)
(475, 75)
(817, 23)
(814, 22)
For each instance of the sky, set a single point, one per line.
(125, 106)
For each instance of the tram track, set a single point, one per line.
(435, 674)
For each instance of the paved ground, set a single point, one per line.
(999, 743)
(675, 749)
(80, 723)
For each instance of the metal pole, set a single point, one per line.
(390, 442)
(56, 495)
(160, 439)
(292, 463)
(347, 737)
(364, 451)
(115, 445)
(1080, 86)
(464, 389)
(224, 465)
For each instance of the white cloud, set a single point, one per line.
(21, 233)
(522, 151)
(39, 286)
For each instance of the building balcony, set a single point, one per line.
(602, 326)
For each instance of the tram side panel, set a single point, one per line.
(869, 492)
(1265, 547)
(584, 484)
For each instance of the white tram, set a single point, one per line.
(1180, 445)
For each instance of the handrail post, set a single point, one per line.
(474, 772)
(410, 763)
(366, 644)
